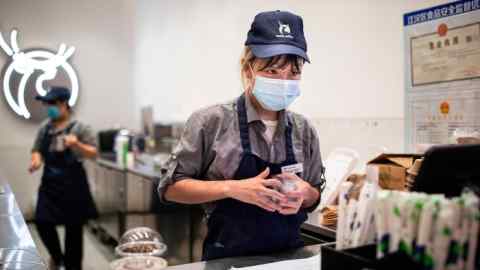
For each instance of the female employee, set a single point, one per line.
(64, 196)
(230, 155)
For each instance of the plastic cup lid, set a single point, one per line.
(140, 234)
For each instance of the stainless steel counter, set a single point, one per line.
(128, 198)
(227, 263)
(17, 249)
(140, 170)
(131, 193)
(123, 190)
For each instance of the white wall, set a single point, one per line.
(188, 52)
(102, 32)
(183, 55)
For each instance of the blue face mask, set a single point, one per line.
(275, 94)
(53, 112)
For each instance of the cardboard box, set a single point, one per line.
(392, 169)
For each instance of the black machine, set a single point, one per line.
(448, 169)
(106, 140)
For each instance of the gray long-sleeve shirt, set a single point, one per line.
(210, 147)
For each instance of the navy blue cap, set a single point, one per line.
(277, 32)
(55, 93)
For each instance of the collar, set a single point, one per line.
(252, 114)
(53, 130)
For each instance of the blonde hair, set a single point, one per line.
(248, 61)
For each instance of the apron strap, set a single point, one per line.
(69, 156)
(290, 154)
(243, 124)
(46, 140)
(70, 127)
(245, 136)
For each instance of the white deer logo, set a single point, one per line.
(283, 28)
(25, 63)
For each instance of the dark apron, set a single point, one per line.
(240, 229)
(64, 195)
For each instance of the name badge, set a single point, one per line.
(293, 169)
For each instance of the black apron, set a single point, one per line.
(240, 229)
(64, 195)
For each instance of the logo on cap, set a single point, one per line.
(284, 30)
(26, 63)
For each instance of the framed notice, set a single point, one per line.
(452, 55)
(442, 72)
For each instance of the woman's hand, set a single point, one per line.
(88, 151)
(71, 140)
(35, 163)
(258, 191)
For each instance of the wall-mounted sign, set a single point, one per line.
(26, 63)
(442, 73)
